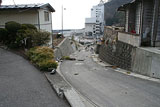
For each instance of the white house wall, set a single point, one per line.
(30, 17)
(45, 25)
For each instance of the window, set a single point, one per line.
(46, 16)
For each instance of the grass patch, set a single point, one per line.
(67, 58)
(43, 57)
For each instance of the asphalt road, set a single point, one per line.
(108, 88)
(22, 85)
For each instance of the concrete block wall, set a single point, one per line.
(65, 48)
(128, 55)
(147, 61)
(118, 54)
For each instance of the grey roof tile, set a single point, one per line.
(24, 6)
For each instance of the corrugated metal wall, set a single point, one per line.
(158, 28)
(138, 18)
(131, 21)
(147, 17)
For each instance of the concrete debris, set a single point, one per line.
(80, 59)
(76, 74)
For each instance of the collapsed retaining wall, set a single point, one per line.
(142, 60)
(118, 54)
(65, 48)
(115, 52)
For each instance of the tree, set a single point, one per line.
(16, 35)
(12, 29)
(3, 35)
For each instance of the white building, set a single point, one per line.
(94, 26)
(90, 26)
(36, 14)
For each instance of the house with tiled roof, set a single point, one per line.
(39, 15)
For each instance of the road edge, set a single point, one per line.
(74, 98)
(101, 63)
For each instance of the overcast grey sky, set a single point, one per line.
(74, 15)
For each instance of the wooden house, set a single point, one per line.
(142, 23)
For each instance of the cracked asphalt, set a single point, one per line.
(106, 87)
(22, 85)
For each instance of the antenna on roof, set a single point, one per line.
(14, 2)
(102, 1)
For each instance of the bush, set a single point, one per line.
(22, 34)
(3, 34)
(17, 35)
(46, 64)
(67, 58)
(35, 38)
(12, 27)
(40, 38)
(42, 57)
(28, 26)
(39, 54)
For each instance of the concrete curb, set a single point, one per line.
(56, 89)
(69, 94)
(97, 60)
(65, 90)
(84, 99)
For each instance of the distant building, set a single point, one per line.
(36, 14)
(142, 24)
(94, 26)
(70, 32)
(90, 27)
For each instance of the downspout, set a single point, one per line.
(38, 20)
(125, 21)
(141, 21)
(51, 32)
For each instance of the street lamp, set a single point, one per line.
(62, 18)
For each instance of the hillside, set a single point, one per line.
(112, 17)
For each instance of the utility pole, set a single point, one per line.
(62, 17)
(62, 20)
